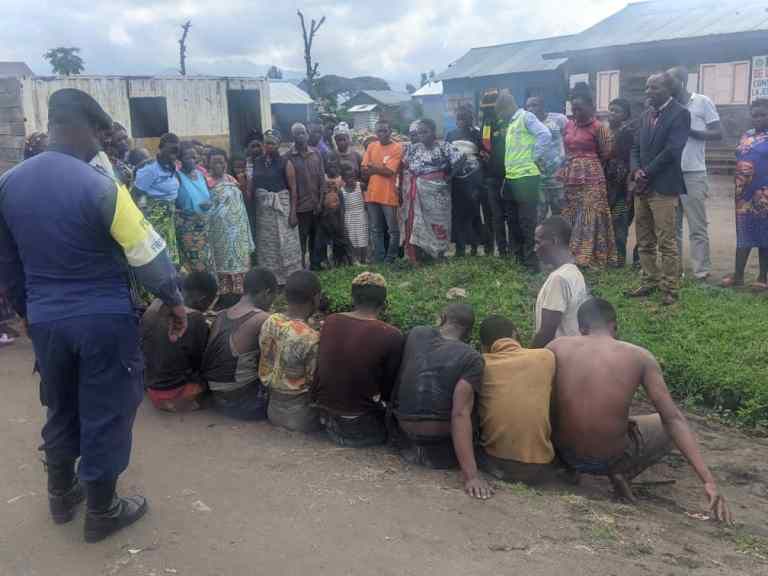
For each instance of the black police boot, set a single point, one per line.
(64, 490)
(107, 512)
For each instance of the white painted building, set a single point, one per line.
(217, 110)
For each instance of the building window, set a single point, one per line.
(726, 83)
(149, 117)
(607, 89)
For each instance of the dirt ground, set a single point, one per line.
(242, 499)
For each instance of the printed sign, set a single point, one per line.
(759, 77)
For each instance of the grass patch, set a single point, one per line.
(712, 346)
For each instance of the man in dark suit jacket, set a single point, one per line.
(659, 182)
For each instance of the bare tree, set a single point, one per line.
(183, 47)
(309, 37)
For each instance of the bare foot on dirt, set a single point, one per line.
(622, 488)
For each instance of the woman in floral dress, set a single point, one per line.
(587, 146)
(752, 198)
(229, 231)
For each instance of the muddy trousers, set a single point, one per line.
(92, 373)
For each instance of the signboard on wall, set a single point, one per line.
(759, 77)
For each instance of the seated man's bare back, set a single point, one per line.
(596, 376)
(596, 379)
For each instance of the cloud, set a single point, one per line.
(396, 39)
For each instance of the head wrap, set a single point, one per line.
(67, 103)
(272, 136)
(414, 127)
(342, 128)
(369, 279)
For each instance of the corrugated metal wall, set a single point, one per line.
(11, 124)
(197, 107)
(110, 92)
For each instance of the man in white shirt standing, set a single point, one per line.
(705, 127)
(557, 306)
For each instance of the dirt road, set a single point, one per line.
(231, 499)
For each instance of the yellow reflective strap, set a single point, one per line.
(133, 232)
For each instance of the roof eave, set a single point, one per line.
(439, 78)
(635, 45)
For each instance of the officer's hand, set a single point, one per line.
(177, 323)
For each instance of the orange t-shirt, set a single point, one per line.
(382, 189)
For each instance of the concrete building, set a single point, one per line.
(218, 111)
(724, 45)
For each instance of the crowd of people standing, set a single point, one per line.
(229, 227)
(488, 186)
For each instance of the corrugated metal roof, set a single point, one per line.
(287, 93)
(363, 108)
(526, 56)
(645, 22)
(15, 69)
(429, 89)
(388, 97)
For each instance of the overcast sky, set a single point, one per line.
(393, 39)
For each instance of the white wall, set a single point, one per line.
(110, 92)
(196, 106)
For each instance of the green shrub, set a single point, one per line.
(713, 346)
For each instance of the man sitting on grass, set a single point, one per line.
(597, 377)
(173, 369)
(289, 356)
(357, 365)
(514, 406)
(565, 289)
(439, 377)
(231, 362)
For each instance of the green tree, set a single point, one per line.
(65, 61)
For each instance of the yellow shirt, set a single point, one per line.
(514, 403)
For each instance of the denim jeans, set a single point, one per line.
(383, 220)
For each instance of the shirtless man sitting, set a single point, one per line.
(597, 377)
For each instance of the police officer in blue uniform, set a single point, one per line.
(69, 236)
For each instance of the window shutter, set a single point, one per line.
(709, 81)
(740, 83)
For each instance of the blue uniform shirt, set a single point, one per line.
(68, 235)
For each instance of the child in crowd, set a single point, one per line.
(289, 355)
(172, 370)
(332, 217)
(239, 171)
(355, 217)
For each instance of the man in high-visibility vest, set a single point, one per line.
(527, 141)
